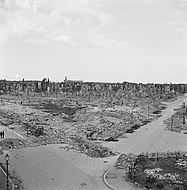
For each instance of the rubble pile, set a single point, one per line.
(12, 143)
(56, 120)
(181, 164)
(98, 129)
(109, 124)
(90, 148)
(177, 122)
(54, 132)
(58, 137)
(32, 122)
(125, 161)
(49, 120)
(55, 106)
(7, 118)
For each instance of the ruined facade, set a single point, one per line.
(75, 87)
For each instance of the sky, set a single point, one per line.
(94, 40)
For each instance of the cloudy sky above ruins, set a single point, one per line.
(94, 40)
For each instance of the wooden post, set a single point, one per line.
(167, 153)
(176, 155)
(146, 154)
(183, 105)
(171, 122)
(157, 155)
(183, 118)
(130, 172)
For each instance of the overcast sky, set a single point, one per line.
(94, 40)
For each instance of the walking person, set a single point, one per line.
(3, 134)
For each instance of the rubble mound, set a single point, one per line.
(53, 138)
(56, 107)
(177, 122)
(91, 149)
(125, 161)
(12, 143)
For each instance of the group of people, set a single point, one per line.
(2, 134)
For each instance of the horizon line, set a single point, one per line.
(86, 81)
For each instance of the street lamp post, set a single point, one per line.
(7, 157)
(171, 122)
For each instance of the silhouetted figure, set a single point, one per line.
(3, 134)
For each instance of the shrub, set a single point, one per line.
(160, 185)
(176, 188)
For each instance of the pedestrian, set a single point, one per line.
(3, 134)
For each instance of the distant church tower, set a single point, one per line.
(66, 79)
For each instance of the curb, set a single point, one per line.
(104, 179)
(8, 178)
(16, 133)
